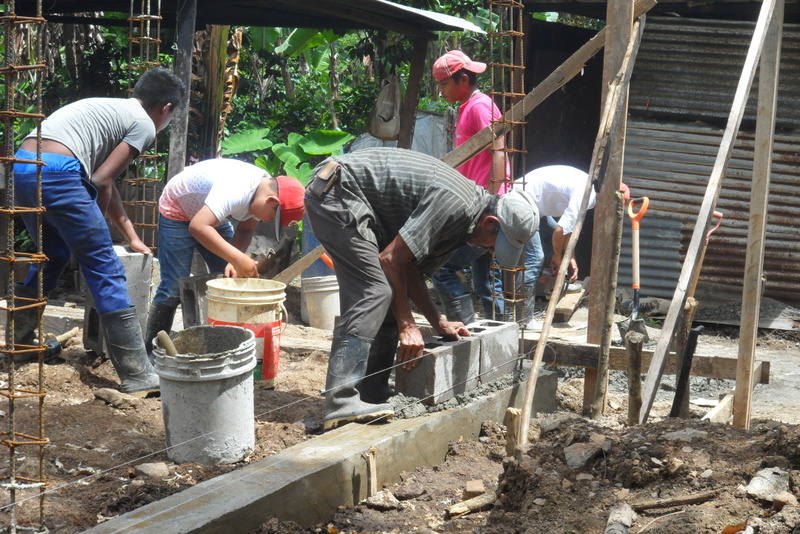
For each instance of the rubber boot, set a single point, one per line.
(374, 388)
(123, 335)
(159, 318)
(527, 319)
(25, 321)
(459, 309)
(346, 368)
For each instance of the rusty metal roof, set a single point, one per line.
(324, 14)
(681, 94)
(717, 9)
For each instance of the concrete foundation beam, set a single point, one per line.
(307, 482)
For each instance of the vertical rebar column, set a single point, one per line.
(143, 183)
(507, 50)
(23, 478)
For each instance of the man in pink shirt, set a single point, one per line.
(456, 75)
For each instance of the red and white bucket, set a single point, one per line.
(255, 304)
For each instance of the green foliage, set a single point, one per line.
(295, 157)
(246, 141)
(23, 242)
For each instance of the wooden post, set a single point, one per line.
(512, 422)
(570, 68)
(408, 111)
(608, 120)
(607, 235)
(691, 264)
(754, 261)
(678, 346)
(185, 21)
(633, 344)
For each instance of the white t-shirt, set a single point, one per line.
(226, 186)
(91, 128)
(558, 191)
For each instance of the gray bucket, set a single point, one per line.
(207, 394)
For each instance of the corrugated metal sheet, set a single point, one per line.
(671, 164)
(681, 93)
(687, 69)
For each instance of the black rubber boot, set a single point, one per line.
(123, 335)
(25, 323)
(374, 388)
(346, 368)
(159, 318)
(459, 309)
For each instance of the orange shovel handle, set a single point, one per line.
(326, 260)
(637, 216)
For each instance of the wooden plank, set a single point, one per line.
(585, 355)
(608, 118)
(608, 214)
(567, 306)
(633, 346)
(722, 412)
(679, 346)
(754, 259)
(185, 19)
(691, 264)
(408, 110)
(558, 78)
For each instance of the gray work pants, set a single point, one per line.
(365, 295)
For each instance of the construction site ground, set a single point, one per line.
(98, 447)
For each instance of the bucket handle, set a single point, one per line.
(284, 318)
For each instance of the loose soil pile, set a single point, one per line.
(542, 493)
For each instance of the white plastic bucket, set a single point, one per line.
(257, 305)
(321, 296)
(207, 394)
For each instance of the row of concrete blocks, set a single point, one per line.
(450, 368)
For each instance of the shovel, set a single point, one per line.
(634, 323)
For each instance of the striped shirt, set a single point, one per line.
(393, 191)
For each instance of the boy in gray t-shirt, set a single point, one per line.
(86, 145)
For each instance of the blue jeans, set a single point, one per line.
(536, 251)
(176, 247)
(447, 283)
(72, 224)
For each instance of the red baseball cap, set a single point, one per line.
(454, 61)
(291, 194)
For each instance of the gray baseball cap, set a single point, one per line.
(519, 220)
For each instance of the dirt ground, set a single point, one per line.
(543, 494)
(95, 448)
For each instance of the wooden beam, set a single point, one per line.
(679, 347)
(567, 305)
(557, 79)
(759, 194)
(608, 119)
(184, 32)
(721, 413)
(408, 110)
(608, 213)
(585, 355)
(691, 263)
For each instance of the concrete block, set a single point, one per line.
(446, 369)
(139, 276)
(544, 397)
(499, 348)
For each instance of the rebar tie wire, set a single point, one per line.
(14, 482)
(144, 29)
(506, 45)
